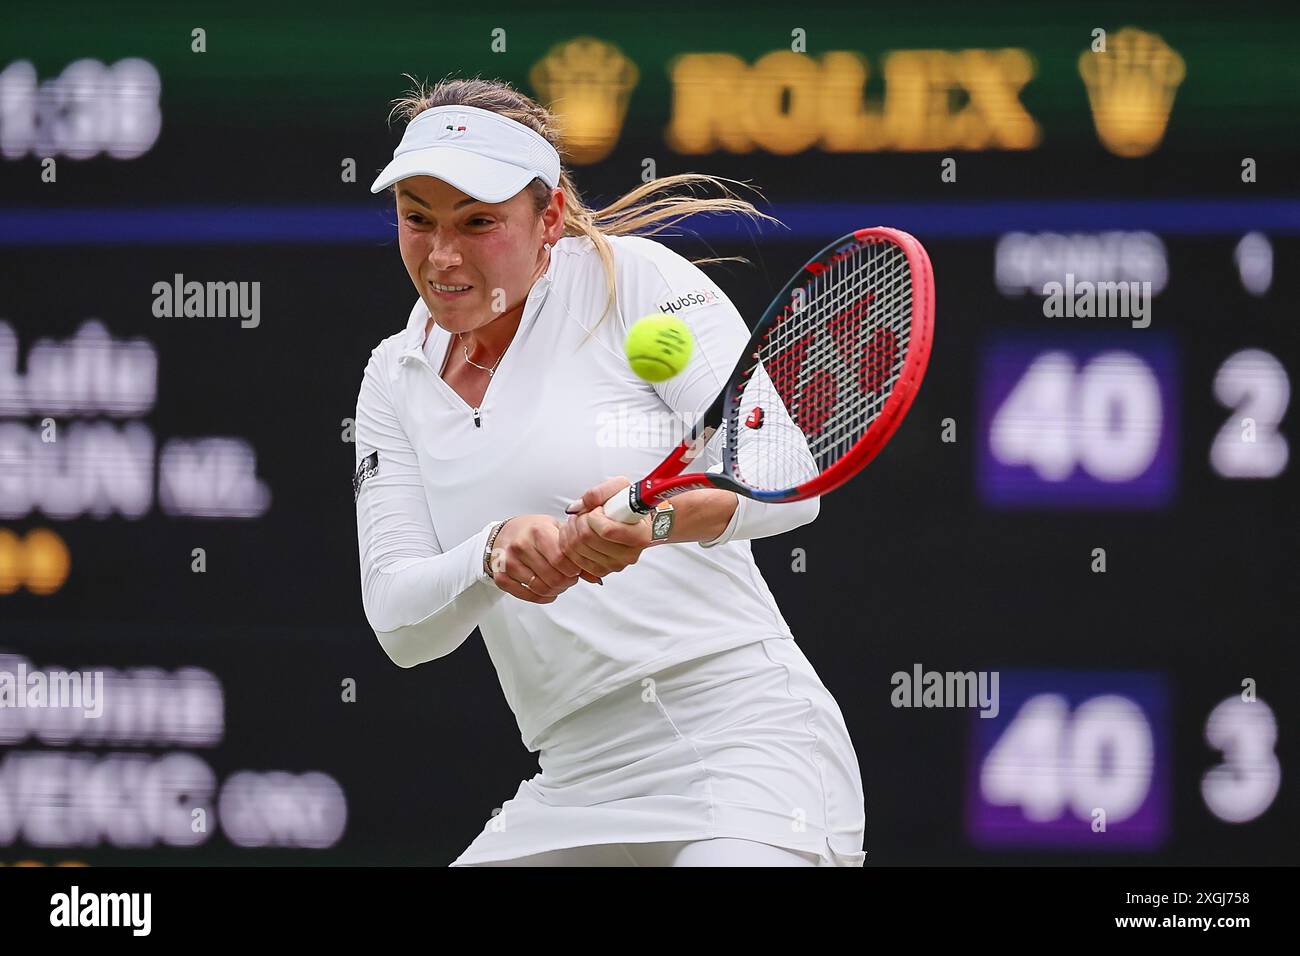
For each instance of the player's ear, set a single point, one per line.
(552, 217)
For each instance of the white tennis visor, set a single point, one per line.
(481, 153)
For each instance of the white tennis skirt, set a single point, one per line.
(746, 743)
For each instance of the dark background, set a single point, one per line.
(907, 564)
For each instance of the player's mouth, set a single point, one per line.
(448, 291)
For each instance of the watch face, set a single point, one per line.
(663, 523)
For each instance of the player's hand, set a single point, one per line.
(597, 543)
(528, 563)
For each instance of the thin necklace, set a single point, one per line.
(465, 348)
(490, 371)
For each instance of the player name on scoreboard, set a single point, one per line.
(90, 452)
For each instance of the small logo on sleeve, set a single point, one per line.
(688, 301)
(368, 468)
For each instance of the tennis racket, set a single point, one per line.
(825, 381)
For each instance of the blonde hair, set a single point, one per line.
(647, 210)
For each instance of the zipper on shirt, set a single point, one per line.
(477, 423)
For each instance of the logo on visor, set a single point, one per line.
(457, 125)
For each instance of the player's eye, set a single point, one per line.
(480, 221)
(414, 218)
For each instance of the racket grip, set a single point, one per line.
(619, 506)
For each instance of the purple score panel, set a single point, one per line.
(1075, 759)
(1082, 420)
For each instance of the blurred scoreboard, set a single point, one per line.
(1087, 760)
(1083, 410)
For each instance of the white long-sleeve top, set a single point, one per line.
(562, 413)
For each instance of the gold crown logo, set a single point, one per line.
(1131, 90)
(587, 83)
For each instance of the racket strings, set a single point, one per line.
(825, 370)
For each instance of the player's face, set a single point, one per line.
(448, 238)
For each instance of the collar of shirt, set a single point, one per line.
(413, 344)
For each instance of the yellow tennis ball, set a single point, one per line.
(658, 347)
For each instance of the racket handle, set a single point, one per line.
(619, 506)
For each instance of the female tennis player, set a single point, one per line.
(676, 720)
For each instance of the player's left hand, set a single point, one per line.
(596, 542)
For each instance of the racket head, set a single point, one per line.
(883, 348)
(845, 345)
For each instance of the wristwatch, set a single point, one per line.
(661, 521)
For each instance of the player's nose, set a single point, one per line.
(444, 251)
